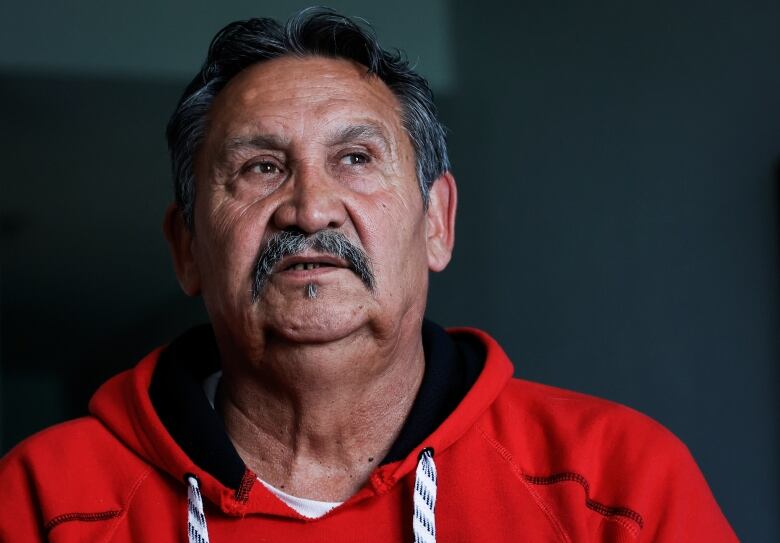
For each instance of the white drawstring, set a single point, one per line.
(197, 531)
(424, 521)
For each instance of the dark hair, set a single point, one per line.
(310, 32)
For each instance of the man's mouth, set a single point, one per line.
(287, 252)
(310, 262)
(308, 266)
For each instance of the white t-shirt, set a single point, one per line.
(303, 506)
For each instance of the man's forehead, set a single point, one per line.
(292, 100)
(280, 90)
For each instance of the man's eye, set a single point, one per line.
(354, 159)
(264, 168)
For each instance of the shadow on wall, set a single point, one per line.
(87, 284)
(777, 338)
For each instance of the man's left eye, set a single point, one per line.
(354, 159)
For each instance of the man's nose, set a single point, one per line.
(313, 202)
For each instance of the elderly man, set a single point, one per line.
(313, 197)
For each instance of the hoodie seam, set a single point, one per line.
(247, 482)
(110, 514)
(504, 453)
(128, 501)
(82, 517)
(619, 515)
(606, 511)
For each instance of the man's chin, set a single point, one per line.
(317, 321)
(311, 335)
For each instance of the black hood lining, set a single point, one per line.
(176, 392)
(452, 365)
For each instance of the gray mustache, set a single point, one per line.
(290, 243)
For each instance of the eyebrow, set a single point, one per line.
(350, 134)
(347, 134)
(256, 141)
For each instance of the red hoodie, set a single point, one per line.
(516, 461)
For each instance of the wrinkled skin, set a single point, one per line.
(311, 144)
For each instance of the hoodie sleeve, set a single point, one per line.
(636, 481)
(680, 506)
(20, 515)
(73, 481)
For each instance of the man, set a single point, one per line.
(313, 196)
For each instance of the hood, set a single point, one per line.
(159, 410)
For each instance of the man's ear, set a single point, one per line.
(179, 238)
(442, 204)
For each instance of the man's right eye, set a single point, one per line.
(264, 168)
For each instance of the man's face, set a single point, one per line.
(308, 145)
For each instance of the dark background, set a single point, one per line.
(618, 165)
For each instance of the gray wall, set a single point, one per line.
(618, 231)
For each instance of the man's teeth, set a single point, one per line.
(307, 266)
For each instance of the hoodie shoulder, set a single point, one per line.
(74, 471)
(565, 431)
(611, 463)
(582, 422)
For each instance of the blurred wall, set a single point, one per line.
(618, 167)
(618, 229)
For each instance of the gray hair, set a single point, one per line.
(310, 32)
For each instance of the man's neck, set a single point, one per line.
(316, 420)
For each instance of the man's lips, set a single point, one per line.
(309, 262)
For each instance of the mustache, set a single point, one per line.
(290, 243)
